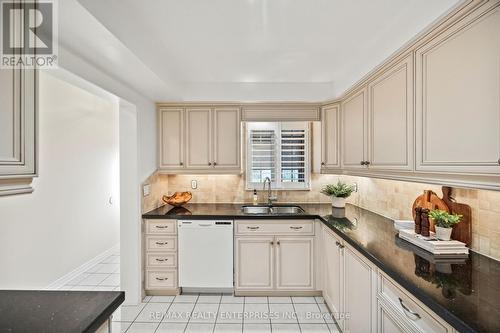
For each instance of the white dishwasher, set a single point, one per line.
(205, 255)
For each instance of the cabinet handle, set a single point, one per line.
(252, 228)
(272, 243)
(278, 243)
(367, 162)
(161, 279)
(362, 162)
(322, 163)
(339, 245)
(181, 164)
(499, 161)
(161, 260)
(161, 243)
(416, 315)
(209, 163)
(215, 163)
(295, 228)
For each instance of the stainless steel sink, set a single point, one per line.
(266, 210)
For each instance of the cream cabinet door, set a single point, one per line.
(199, 138)
(330, 136)
(387, 322)
(458, 98)
(171, 138)
(254, 263)
(294, 263)
(332, 273)
(227, 138)
(390, 101)
(354, 122)
(18, 132)
(360, 288)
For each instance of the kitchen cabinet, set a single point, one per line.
(332, 277)
(171, 138)
(254, 263)
(18, 130)
(294, 263)
(227, 133)
(390, 120)
(330, 137)
(200, 139)
(458, 98)
(349, 285)
(274, 256)
(354, 123)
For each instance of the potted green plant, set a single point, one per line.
(444, 222)
(338, 192)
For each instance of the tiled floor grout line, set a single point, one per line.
(296, 315)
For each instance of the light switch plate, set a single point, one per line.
(194, 184)
(146, 190)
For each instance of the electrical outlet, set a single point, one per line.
(146, 190)
(194, 184)
(356, 187)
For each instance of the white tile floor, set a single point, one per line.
(224, 313)
(103, 276)
(206, 313)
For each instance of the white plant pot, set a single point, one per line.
(338, 202)
(443, 233)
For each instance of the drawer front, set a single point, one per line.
(414, 314)
(161, 243)
(161, 260)
(157, 279)
(272, 227)
(161, 227)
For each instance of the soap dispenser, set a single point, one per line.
(255, 197)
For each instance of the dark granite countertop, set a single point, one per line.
(56, 311)
(466, 293)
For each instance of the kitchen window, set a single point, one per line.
(280, 151)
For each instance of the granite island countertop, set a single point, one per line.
(466, 293)
(56, 311)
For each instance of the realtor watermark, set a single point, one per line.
(28, 34)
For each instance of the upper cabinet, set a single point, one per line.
(330, 137)
(171, 138)
(390, 129)
(199, 139)
(18, 131)
(458, 98)
(354, 123)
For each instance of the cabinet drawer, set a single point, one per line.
(272, 227)
(163, 227)
(161, 243)
(158, 279)
(409, 309)
(161, 260)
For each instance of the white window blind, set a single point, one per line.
(280, 151)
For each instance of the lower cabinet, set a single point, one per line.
(274, 263)
(349, 285)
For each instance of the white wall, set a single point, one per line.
(68, 220)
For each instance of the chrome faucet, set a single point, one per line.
(270, 198)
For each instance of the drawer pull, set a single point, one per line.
(161, 226)
(415, 315)
(252, 228)
(161, 279)
(295, 228)
(161, 260)
(161, 243)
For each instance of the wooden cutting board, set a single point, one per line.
(431, 201)
(462, 231)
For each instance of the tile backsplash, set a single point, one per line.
(390, 198)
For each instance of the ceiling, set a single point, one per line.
(307, 50)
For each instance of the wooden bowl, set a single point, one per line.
(177, 199)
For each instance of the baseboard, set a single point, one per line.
(81, 269)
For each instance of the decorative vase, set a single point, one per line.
(338, 202)
(443, 233)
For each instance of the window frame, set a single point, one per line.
(277, 127)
